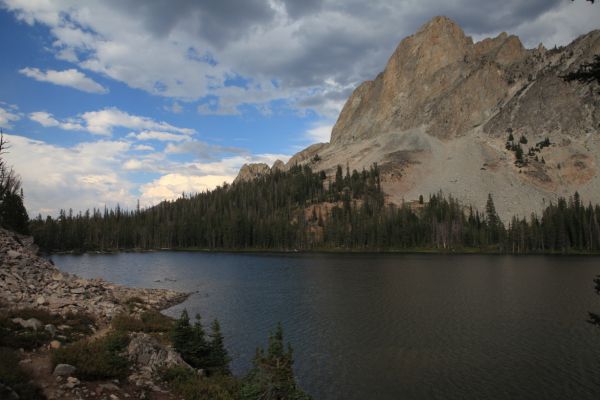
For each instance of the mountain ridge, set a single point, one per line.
(438, 117)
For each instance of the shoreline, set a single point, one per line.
(28, 280)
(424, 251)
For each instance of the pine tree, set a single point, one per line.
(272, 376)
(182, 334)
(190, 341)
(218, 357)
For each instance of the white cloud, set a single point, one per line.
(319, 133)
(103, 122)
(7, 117)
(94, 174)
(158, 135)
(70, 78)
(171, 186)
(47, 120)
(175, 108)
(81, 177)
(133, 164)
(143, 147)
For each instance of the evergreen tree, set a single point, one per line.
(218, 357)
(272, 376)
(13, 213)
(190, 341)
(182, 333)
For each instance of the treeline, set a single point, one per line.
(303, 210)
(13, 214)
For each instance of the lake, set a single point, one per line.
(367, 326)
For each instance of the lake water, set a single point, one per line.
(392, 326)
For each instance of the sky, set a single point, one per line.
(119, 101)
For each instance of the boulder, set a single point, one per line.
(64, 370)
(31, 323)
(50, 329)
(146, 351)
(13, 254)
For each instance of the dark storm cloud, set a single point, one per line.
(311, 49)
(298, 8)
(217, 21)
(328, 49)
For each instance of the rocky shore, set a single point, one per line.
(27, 280)
(44, 312)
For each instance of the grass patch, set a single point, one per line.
(15, 336)
(97, 359)
(188, 385)
(13, 377)
(148, 322)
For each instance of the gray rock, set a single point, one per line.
(78, 290)
(146, 351)
(13, 254)
(109, 386)
(64, 370)
(31, 323)
(51, 329)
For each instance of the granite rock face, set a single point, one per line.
(439, 115)
(250, 172)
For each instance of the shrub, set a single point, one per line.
(127, 323)
(13, 377)
(154, 321)
(16, 337)
(80, 325)
(97, 359)
(149, 322)
(187, 384)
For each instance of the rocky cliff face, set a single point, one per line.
(439, 115)
(249, 172)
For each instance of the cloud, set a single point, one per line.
(171, 186)
(319, 133)
(104, 121)
(7, 117)
(158, 135)
(143, 147)
(200, 176)
(70, 78)
(47, 120)
(81, 177)
(175, 108)
(202, 150)
(94, 174)
(308, 54)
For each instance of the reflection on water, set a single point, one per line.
(392, 326)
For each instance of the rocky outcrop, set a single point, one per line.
(149, 358)
(439, 115)
(306, 155)
(27, 280)
(278, 165)
(250, 172)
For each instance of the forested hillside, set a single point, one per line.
(304, 210)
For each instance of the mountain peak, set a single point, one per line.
(440, 24)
